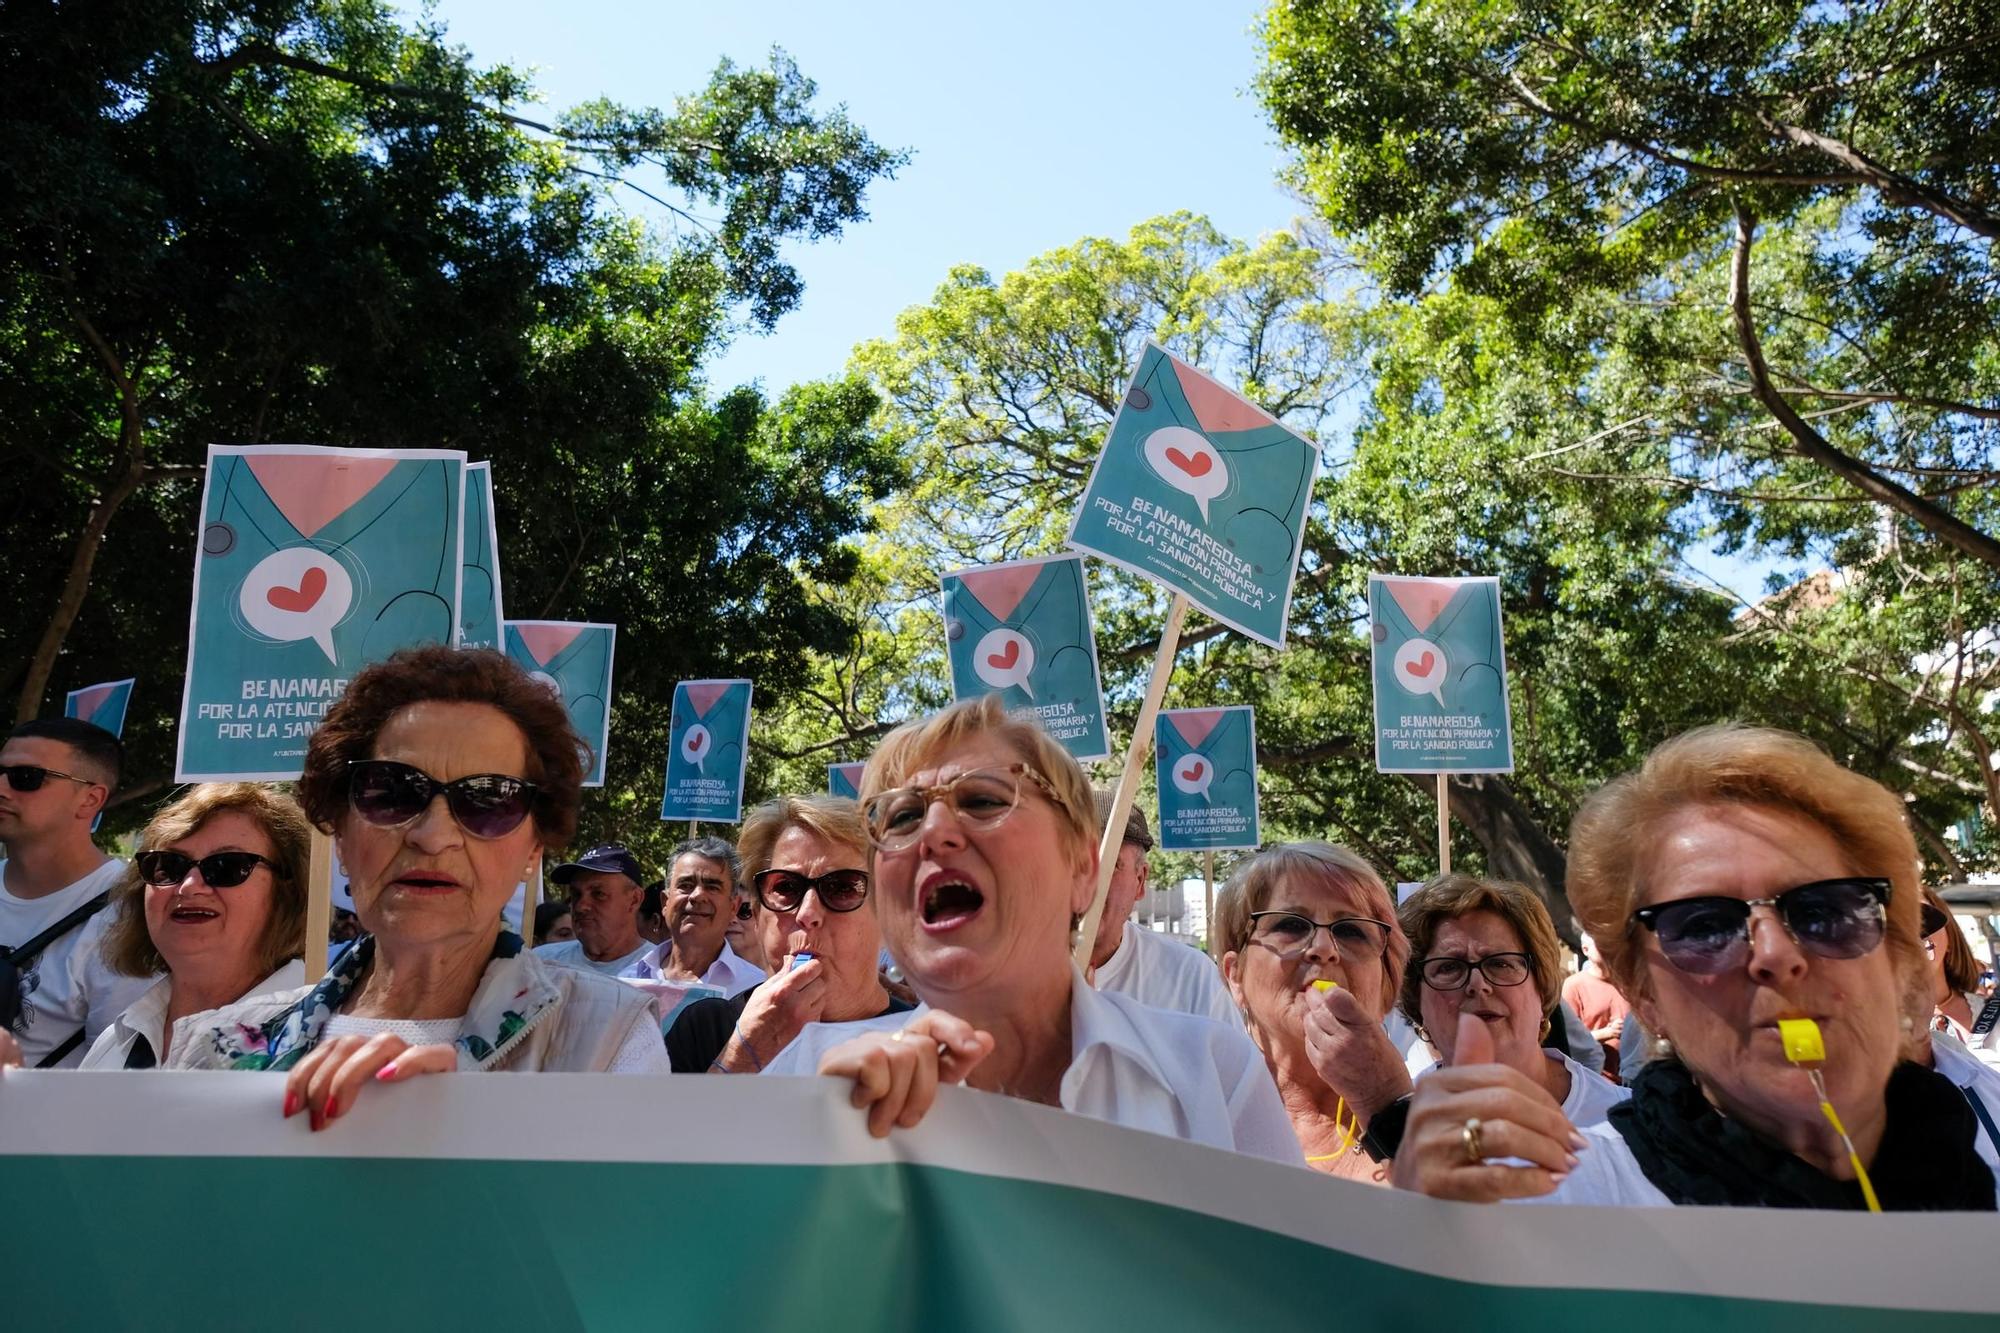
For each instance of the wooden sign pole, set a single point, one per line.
(1128, 781)
(530, 899)
(319, 907)
(1444, 823)
(1208, 902)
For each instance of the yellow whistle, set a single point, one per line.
(1803, 1044)
(1323, 985)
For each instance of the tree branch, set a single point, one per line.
(1896, 188)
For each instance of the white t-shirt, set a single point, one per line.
(68, 985)
(569, 953)
(1167, 973)
(147, 1017)
(730, 973)
(642, 1052)
(1980, 1082)
(1982, 1046)
(1168, 1073)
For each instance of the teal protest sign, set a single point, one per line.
(844, 780)
(1208, 778)
(312, 563)
(708, 748)
(573, 660)
(994, 1214)
(1440, 669)
(480, 614)
(1202, 490)
(101, 705)
(1022, 630)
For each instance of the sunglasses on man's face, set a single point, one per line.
(219, 870)
(1832, 918)
(30, 777)
(486, 805)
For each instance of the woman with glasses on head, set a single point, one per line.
(985, 858)
(1308, 937)
(805, 868)
(215, 899)
(1738, 883)
(442, 775)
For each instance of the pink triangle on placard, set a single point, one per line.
(851, 772)
(1421, 599)
(703, 694)
(90, 700)
(544, 641)
(1218, 408)
(312, 490)
(1194, 725)
(1000, 588)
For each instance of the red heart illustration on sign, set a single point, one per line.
(1423, 662)
(1005, 661)
(302, 598)
(1193, 771)
(695, 742)
(1196, 466)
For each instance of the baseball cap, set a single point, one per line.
(610, 859)
(1136, 830)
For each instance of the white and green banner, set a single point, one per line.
(169, 1201)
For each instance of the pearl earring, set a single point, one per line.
(1663, 1047)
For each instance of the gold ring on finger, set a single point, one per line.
(1475, 1151)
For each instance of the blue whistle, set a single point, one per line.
(799, 960)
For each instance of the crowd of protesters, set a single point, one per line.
(1737, 882)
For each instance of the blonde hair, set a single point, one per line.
(907, 749)
(1451, 896)
(1257, 877)
(128, 945)
(1612, 838)
(833, 819)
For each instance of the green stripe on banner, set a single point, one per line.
(401, 1216)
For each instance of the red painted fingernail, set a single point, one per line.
(330, 1111)
(385, 1073)
(291, 1104)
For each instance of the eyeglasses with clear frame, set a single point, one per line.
(980, 799)
(1357, 939)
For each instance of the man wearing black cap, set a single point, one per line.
(1150, 967)
(604, 893)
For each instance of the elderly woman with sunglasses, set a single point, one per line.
(985, 858)
(442, 774)
(805, 866)
(1739, 882)
(215, 900)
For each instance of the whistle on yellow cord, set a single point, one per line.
(1806, 1048)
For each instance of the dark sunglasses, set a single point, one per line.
(219, 870)
(1833, 918)
(743, 910)
(486, 805)
(30, 777)
(838, 890)
(1933, 920)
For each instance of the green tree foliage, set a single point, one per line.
(302, 220)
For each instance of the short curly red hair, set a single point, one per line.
(448, 675)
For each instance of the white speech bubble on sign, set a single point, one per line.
(695, 745)
(1193, 773)
(1004, 657)
(298, 593)
(1187, 462)
(549, 683)
(1420, 668)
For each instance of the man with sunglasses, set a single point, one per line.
(604, 895)
(56, 991)
(1150, 967)
(702, 897)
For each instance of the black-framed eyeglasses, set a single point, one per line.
(389, 794)
(1357, 939)
(164, 869)
(1833, 918)
(1933, 920)
(1500, 969)
(30, 777)
(786, 890)
(980, 799)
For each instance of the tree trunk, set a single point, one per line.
(1517, 847)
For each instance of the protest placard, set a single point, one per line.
(1022, 629)
(572, 660)
(1202, 490)
(1440, 670)
(994, 1214)
(845, 780)
(480, 614)
(312, 562)
(1207, 766)
(101, 705)
(708, 749)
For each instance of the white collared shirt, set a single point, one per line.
(730, 973)
(1591, 1095)
(1167, 973)
(1180, 1075)
(147, 1017)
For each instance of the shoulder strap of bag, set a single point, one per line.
(21, 956)
(55, 1057)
